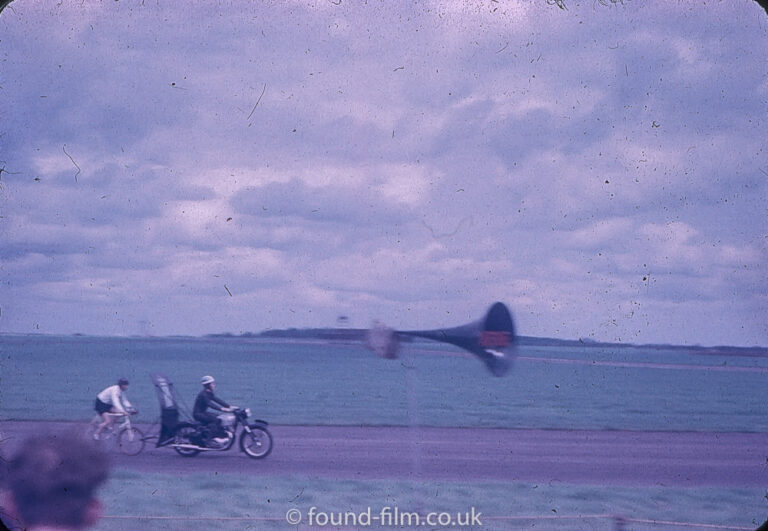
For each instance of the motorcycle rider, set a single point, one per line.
(206, 399)
(111, 400)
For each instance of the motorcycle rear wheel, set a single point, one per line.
(182, 436)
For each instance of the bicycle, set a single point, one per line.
(130, 440)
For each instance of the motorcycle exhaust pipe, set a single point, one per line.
(194, 447)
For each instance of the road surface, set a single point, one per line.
(628, 458)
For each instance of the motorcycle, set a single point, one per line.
(191, 438)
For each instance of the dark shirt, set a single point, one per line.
(206, 399)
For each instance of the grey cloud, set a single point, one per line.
(361, 205)
(108, 197)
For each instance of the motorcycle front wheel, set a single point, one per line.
(181, 436)
(256, 444)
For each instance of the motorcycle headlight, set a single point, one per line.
(247, 412)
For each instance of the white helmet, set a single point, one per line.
(207, 379)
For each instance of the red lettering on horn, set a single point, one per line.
(493, 338)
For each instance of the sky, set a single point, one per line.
(192, 168)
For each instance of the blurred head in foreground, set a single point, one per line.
(51, 483)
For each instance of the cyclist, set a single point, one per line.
(111, 401)
(206, 399)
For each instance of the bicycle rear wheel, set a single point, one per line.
(130, 441)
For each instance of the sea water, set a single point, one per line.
(305, 382)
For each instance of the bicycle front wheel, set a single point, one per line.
(130, 441)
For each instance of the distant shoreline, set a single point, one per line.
(358, 335)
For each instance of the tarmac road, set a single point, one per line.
(629, 458)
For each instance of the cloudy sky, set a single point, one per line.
(601, 169)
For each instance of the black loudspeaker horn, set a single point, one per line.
(492, 338)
